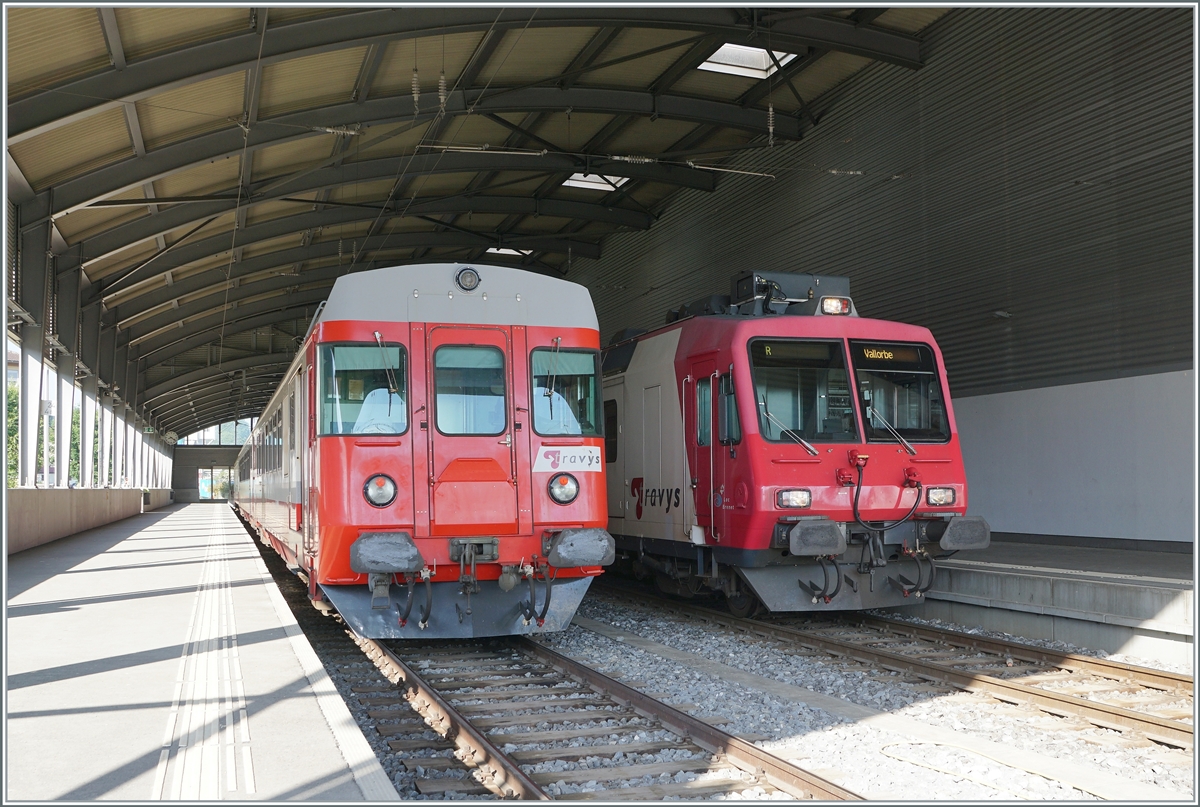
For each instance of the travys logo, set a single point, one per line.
(653, 497)
(576, 458)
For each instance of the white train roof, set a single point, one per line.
(428, 293)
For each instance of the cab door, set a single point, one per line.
(473, 488)
(698, 422)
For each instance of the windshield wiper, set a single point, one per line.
(785, 430)
(907, 446)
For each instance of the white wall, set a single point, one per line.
(1105, 459)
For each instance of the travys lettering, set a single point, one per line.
(666, 498)
(576, 458)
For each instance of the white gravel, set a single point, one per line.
(877, 764)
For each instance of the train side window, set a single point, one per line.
(729, 427)
(610, 431)
(704, 412)
(565, 392)
(470, 390)
(363, 389)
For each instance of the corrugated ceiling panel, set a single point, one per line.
(1040, 165)
(369, 192)
(828, 72)
(570, 135)
(638, 73)
(273, 210)
(87, 221)
(74, 149)
(109, 266)
(210, 178)
(78, 49)
(280, 15)
(148, 30)
(433, 55)
(192, 110)
(292, 156)
(533, 53)
(909, 20)
(645, 136)
(707, 84)
(310, 81)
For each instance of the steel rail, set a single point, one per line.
(1168, 732)
(1157, 679)
(780, 773)
(501, 774)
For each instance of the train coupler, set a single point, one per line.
(529, 611)
(380, 585)
(830, 585)
(423, 576)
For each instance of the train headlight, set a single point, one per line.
(467, 279)
(939, 497)
(835, 305)
(793, 498)
(380, 490)
(563, 488)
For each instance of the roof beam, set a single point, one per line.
(202, 333)
(205, 374)
(112, 37)
(79, 98)
(110, 243)
(79, 191)
(288, 225)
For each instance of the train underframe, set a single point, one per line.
(874, 570)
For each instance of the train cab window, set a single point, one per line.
(729, 426)
(610, 431)
(470, 390)
(363, 389)
(801, 389)
(565, 392)
(704, 412)
(899, 387)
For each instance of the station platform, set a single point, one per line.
(154, 658)
(1139, 602)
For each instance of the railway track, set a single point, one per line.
(1142, 703)
(534, 724)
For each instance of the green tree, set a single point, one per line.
(11, 442)
(76, 446)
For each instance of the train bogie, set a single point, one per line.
(784, 451)
(437, 469)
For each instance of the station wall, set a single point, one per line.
(1027, 195)
(190, 459)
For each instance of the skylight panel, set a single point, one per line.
(739, 60)
(594, 182)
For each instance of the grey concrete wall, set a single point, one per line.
(154, 499)
(1107, 459)
(38, 516)
(188, 459)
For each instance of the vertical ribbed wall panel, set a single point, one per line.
(1040, 164)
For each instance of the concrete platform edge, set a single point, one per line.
(369, 775)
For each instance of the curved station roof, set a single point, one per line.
(211, 171)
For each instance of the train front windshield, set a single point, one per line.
(899, 387)
(363, 389)
(801, 389)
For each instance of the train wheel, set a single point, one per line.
(743, 604)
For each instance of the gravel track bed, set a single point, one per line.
(871, 762)
(1062, 647)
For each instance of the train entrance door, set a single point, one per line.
(698, 422)
(472, 486)
(615, 449)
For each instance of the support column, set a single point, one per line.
(87, 434)
(104, 479)
(34, 265)
(62, 423)
(118, 444)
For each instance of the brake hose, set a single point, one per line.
(886, 527)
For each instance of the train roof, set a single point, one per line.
(443, 292)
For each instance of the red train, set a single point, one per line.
(432, 461)
(773, 446)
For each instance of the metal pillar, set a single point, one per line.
(65, 384)
(66, 324)
(87, 433)
(119, 444)
(106, 442)
(34, 256)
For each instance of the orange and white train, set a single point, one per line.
(432, 463)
